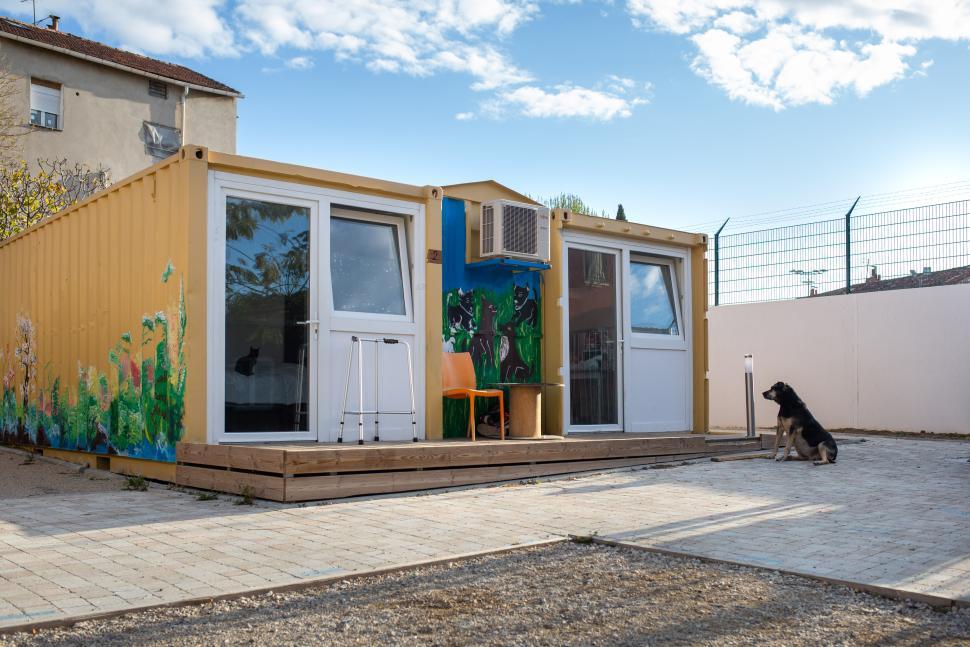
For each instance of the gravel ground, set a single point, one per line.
(573, 593)
(21, 478)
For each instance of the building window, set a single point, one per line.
(653, 292)
(45, 104)
(158, 89)
(161, 141)
(368, 264)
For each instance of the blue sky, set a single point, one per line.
(686, 112)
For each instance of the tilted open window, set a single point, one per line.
(369, 264)
(654, 297)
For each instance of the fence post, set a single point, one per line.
(717, 264)
(848, 247)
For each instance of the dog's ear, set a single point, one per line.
(779, 386)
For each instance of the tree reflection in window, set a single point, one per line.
(267, 294)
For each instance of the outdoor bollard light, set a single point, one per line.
(749, 392)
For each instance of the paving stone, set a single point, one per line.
(874, 517)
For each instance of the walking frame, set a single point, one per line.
(357, 346)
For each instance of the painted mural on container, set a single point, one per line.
(136, 409)
(492, 313)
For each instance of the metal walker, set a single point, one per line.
(357, 345)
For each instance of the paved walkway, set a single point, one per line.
(892, 513)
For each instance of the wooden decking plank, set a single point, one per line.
(221, 480)
(421, 455)
(310, 488)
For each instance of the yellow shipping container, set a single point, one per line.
(215, 299)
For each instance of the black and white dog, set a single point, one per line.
(810, 440)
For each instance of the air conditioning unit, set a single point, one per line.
(515, 230)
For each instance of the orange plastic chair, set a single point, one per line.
(458, 382)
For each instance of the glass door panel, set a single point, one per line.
(267, 310)
(593, 339)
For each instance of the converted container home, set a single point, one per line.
(211, 299)
(622, 308)
(201, 312)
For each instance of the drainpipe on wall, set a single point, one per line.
(185, 111)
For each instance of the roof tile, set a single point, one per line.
(72, 43)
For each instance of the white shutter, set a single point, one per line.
(45, 99)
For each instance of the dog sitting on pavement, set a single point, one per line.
(803, 431)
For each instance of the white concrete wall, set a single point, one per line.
(104, 110)
(896, 360)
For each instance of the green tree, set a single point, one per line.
(620, 213)
(26, 198)
(572, 203)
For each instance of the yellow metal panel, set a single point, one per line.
(192, 200)
(73, 290)
(553, 330)
(698, 271)
(434, 424)
(631, 230)
(307, 175)
(485, 190)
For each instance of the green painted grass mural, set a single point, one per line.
(135, 410)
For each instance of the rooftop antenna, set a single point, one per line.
(33, 2)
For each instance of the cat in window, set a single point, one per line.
(246, 365)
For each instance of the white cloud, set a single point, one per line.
(300, 63)
(779, 53)
(417, 37)
(465, 116)
(563, 101)
(190, 28)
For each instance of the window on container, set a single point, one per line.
(653, 298)
(45, 104)
(369, 264)
(161, 141)
(158, 89)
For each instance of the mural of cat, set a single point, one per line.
(483, 346)
(526, 308)
(512, 368)
(461, 315)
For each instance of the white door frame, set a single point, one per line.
(680, 261)
(604, 247)
(320, 200)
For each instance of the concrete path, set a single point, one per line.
(892, 513)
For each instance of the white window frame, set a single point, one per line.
(411, 213)
(60, 103)
(404, 261)
(681, 264)
(637, 257)
(216, 345)
(590, 245)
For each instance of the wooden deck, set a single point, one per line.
(293, 472)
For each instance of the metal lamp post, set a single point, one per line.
(749, 392)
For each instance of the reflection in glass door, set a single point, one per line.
(268, 315)
(593, 341)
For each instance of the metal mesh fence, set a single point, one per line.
(858, 253)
